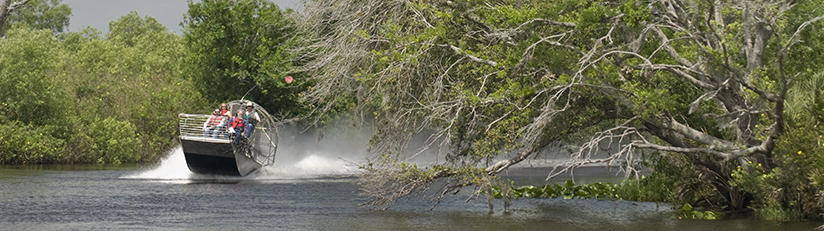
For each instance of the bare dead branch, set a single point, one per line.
(797, 35)
(471, 57)
(16, 5)
(545, 21)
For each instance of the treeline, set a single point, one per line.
(82, 97)
(86, 97)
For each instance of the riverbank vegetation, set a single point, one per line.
(80, 97)
(86, 97)
(703, 93)
(602, 191)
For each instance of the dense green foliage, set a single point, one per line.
(792, 190)
(43, 15)
(239, 47)
(80, 98)
(83, 97)
(693, 90)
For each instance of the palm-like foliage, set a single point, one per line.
(805, 102)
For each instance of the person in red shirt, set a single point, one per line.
(236, 126)
(214, 124)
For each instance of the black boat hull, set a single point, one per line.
(213, 156)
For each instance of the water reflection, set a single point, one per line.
(168, 196)
(49, 199)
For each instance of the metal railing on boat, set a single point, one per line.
(263, 142)
(192, 127)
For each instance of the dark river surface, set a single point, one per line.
(296, 197)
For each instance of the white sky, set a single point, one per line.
(98, 13)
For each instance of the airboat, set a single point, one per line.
(218, 153)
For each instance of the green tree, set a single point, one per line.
(83, 98)
(27, 92)
(42, 15)
(6, 8)
(32, 102)
(501, 81)
(237, 47)
(129, 28)
(134, 78)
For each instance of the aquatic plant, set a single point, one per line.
(687, 212)
(569, 190)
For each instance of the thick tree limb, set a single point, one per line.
(682, 150)
(691, 133)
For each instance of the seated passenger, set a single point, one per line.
(252, 118)
(224, 109)
(227, 130)
(214, 125)
(236, 126)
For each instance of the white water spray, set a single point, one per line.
(173, 168)
(300, 155)
(312, 166)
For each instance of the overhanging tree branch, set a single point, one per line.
(6, 8)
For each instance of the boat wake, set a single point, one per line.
(314, 165)
(172, 167)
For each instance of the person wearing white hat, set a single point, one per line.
(251, 117)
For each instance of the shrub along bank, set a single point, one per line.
(81, 98)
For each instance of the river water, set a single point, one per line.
(310, 194)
